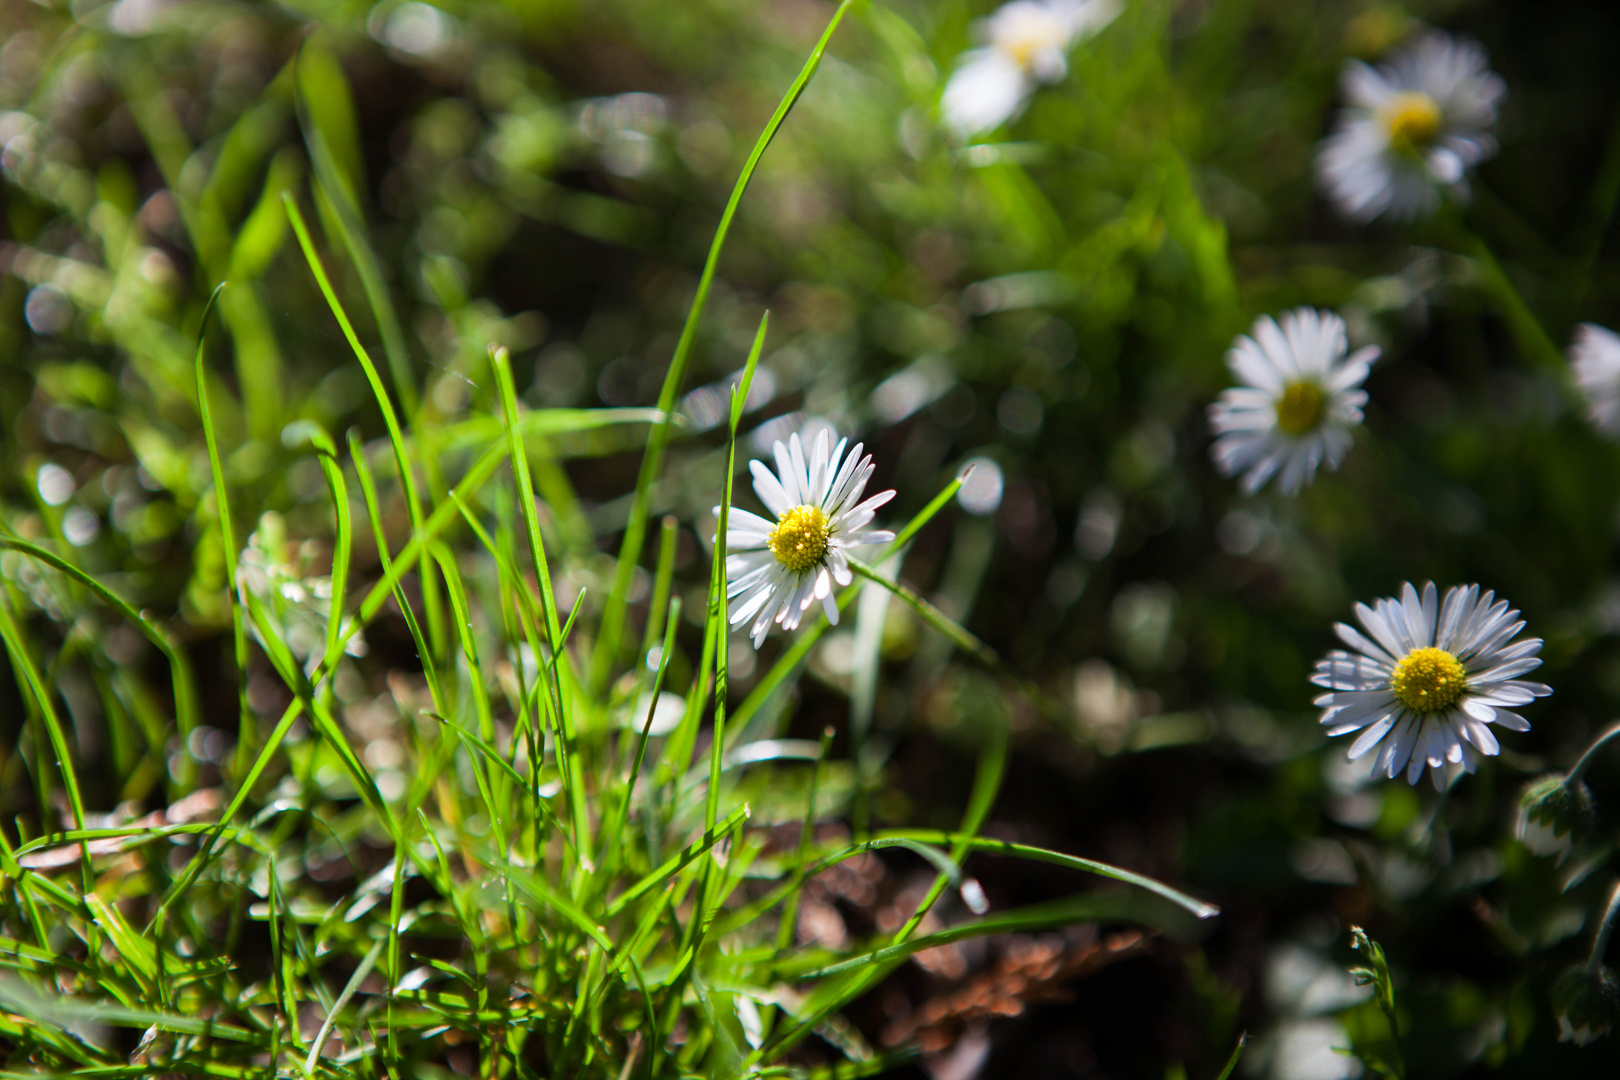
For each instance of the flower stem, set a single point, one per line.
(965, 641)
(1607, 736)
(1600, 944)
(1521, 321)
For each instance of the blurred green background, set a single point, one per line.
(1054, 302)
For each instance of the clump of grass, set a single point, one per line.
(503, 867)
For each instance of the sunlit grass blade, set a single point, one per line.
(33, 681)
(396, 436)
(326, 454)
(1198, 908)
(986, 786)
(652, 463)
(680, 860)
(621, 818)
(1237, 1056)
(341, 198)
(567, 739)
(179, 668)
(1090, 907)
(717, 582)
(246, 729)
(349, 989)
(368, 491)
(959, 636)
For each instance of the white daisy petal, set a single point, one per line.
(1594, 357)
(777, 570)
(1296, 404)
(770, 489)
(1369, 738)
(1026, 44)
(1412, 128)
(1427, 682)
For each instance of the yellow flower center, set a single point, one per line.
(1412, 119)
(1429, 680)
(799, 540)
(1025, 37)
(1022, 49)
(1300, 408)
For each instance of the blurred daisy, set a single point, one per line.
(1414, 125)
(1298, 400)
(1595, 357)
(1428, 679)
(777, 569)
(1027, 43)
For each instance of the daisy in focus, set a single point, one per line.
(777, 569)
(1595, 358)
(1428, 679)
(1299, 399)
(1027, 43)
(1414, 125)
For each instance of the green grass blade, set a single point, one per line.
(652, 463)
(341, 198)
(680, 860)
(567, 741)
(180, 670)
(1090, 907)
(1198, 908)
(717, 584)
(301, 431)
(247, 727)
(396, 437)
(368, 491)
(22, 659)
(1237, 1056)
(349, 989)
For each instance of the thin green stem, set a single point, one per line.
(807, 834)
(1604, 738)
(1522, 322)
(1600, 944)
(965, 641)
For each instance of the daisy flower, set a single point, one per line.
(1595, 358)
(777, 569)
(1026, 43)
(1299, 399)
(1414, 126)
(1427, 680)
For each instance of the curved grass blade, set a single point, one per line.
(652, 463)
(680, 860)
(1198, 908)
(1091, 907)
(180, 670)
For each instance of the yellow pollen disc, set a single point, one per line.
(1412, 119)
(1023, 49)
(1300, 408)
(799, 540)
(1429, 680)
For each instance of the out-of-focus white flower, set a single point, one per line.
(1414, 125)
(1027, 43)
(1595, 357)
(777, 569)
(1299, 399)
(1428, 679)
